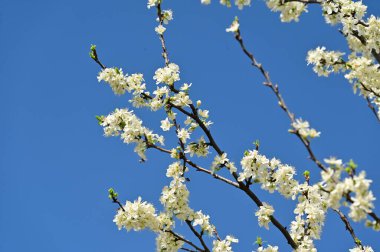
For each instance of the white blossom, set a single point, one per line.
(175, 198)
(202, 220)
(234, 27)
(325, 62)
(290, 11)
(224, 245)
(126, 124)
(167, 242)
(303, 128)
(365, 249)
(263, 214)
(268, 249)
(153, 3)
(183, 134)
(160, 29)
(166, 124)
(137, 215)
(167, 75)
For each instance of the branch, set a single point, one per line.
(198, 235)
(282, 104)
(186, 241)
(115, 200)
(281, 101)
(349, 228)
(373, 109)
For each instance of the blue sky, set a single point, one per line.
(56, 167)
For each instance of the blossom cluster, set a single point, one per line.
(303, 128)
(125, 123)
(224, 245)
(310, 215)
(267, 249)
(290, 11)
(313, 199)
(121, 83)
(263, 215)
(355, 186)
(271, 174)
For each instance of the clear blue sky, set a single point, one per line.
(56, 167)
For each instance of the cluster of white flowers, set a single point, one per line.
(167, 75)
(200, 148)
(310, 215)
(137, 215)
(364, 72)
(219, 161)
(167, 242)
(175, 198)
(121, 83)
(202, 220)
(357, 186)
(181, 99)
(343, 11)
(126, 124)
(268, 249)
(303, 128)
(271, 174)
(263, 215)
(224, 245)
(289, 10)
(363, 37)
(325, 62)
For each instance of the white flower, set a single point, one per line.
(202, 220)
(166, 124)
(219, 160)
(332, 161)
(183, 134)
(126, 124)
(167, 75)
(325, 62)
(115, 78)
(153, 3)
(160, 29)
(205, 2)
(203, 113)
(167, 242)
(365, 249)
(181, 99)
(175, 170)
(303, 128)
(175, 198)
(268, 249)
(234, 27)
(263, 214)
(200, 148)
(167, 15)
(137, 216)
(224, 245)
(289, 11)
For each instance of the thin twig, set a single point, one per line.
(349, 228)
(198, 235)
